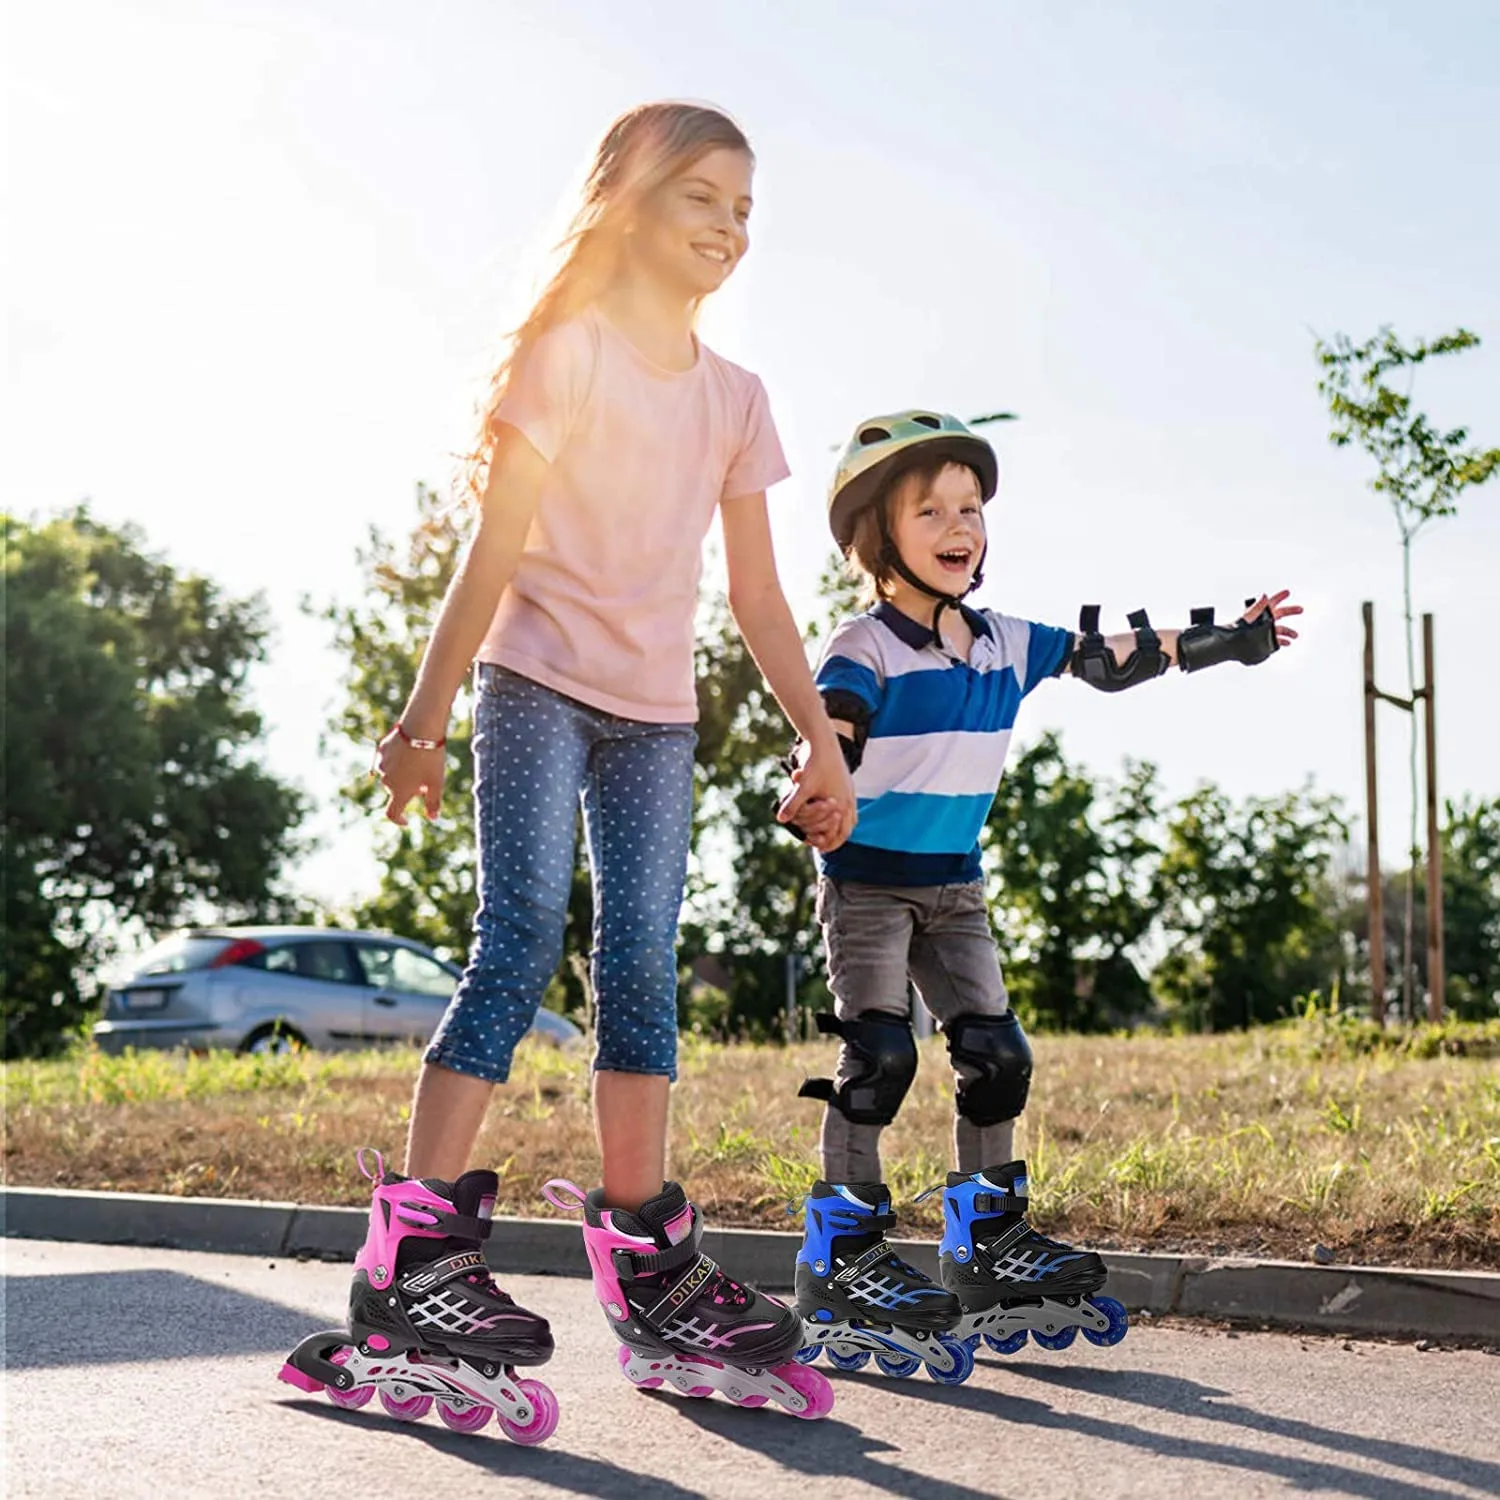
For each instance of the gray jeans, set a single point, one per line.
(880, 938)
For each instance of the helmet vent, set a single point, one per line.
(873, 435)
(926, 419)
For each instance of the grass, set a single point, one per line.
(1384, 1148)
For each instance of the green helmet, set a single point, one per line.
(878, 445)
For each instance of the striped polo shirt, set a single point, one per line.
(939, 732)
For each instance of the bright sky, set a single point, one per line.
(261, 252)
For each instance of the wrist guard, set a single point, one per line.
(1095, 663)
(1204, 644)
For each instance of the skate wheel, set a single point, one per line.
(963, 1362)
(898, 1366)
(1012, 1343)
(752, 1401)
(464, 1416)
(413, 1409)
(1062, 1339)
(856, 1361)
(812, 1385)
(642, 1382)
(1119, 1322)
(357, 1396)
(351, 1400)
(699, 1392)
(544, 1419)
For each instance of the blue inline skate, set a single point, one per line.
(1013, 1282)
(858, 1298)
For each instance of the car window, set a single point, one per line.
(328, 961)
(416, 974)
(178, 953)
(403, 969)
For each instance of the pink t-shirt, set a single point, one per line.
(602, 602)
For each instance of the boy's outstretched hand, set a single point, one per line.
(1280, 609)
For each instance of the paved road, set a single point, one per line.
(152, 1373)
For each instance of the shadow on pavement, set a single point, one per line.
(106, 1317)
(824, 1449)
(1190, 1398)
(544, 1465)
(1022, 1412)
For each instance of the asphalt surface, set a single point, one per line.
(153, 1372)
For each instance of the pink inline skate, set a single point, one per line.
(679, 1318)
(426, 1320)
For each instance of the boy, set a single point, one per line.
(924, 692)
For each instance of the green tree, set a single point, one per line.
(427, 889)
(1070, 862)
(1420, 472)
(1471, 907)
(1470, 838)
(1245, 903)
(131, 792)
(751, 897)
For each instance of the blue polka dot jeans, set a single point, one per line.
(538, 756)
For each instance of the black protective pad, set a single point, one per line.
(1095, 663)
(1204, 644)
(882, 1046)
(994, 1047)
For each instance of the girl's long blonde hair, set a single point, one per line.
(646, 147)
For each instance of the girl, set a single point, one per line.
(611, 437)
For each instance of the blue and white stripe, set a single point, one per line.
(939, 733)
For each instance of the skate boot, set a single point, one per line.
(426, 1321)
(1013, 1281)
(857, 1297)
(678, 1317)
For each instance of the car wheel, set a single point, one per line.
(274, 1040)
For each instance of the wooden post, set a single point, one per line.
(1435, 976)
(1372, 826)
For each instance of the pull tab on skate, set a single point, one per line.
(569, 1197)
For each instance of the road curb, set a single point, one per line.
(1451, 1305)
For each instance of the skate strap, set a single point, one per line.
(458, 1226)
(684, 1289)
(440, 1272)
(664, 1260)
(856, 1268)
(999, 1203)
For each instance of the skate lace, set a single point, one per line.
(725, 1291)
(483, 1281)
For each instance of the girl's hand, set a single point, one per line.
(1285, 635)
(824, 791)
(406, 772)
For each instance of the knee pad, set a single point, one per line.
(886, 1052)
(995, 1048)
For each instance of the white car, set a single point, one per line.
(266, 989)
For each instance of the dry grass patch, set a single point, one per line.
(1316, 1131)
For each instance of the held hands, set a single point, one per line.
(821, 802)
(406, 771)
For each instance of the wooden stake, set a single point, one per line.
(1435, 978)
(1372, 826)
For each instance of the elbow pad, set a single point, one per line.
(839, 704)
(1095, 663)
(1204, 644)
